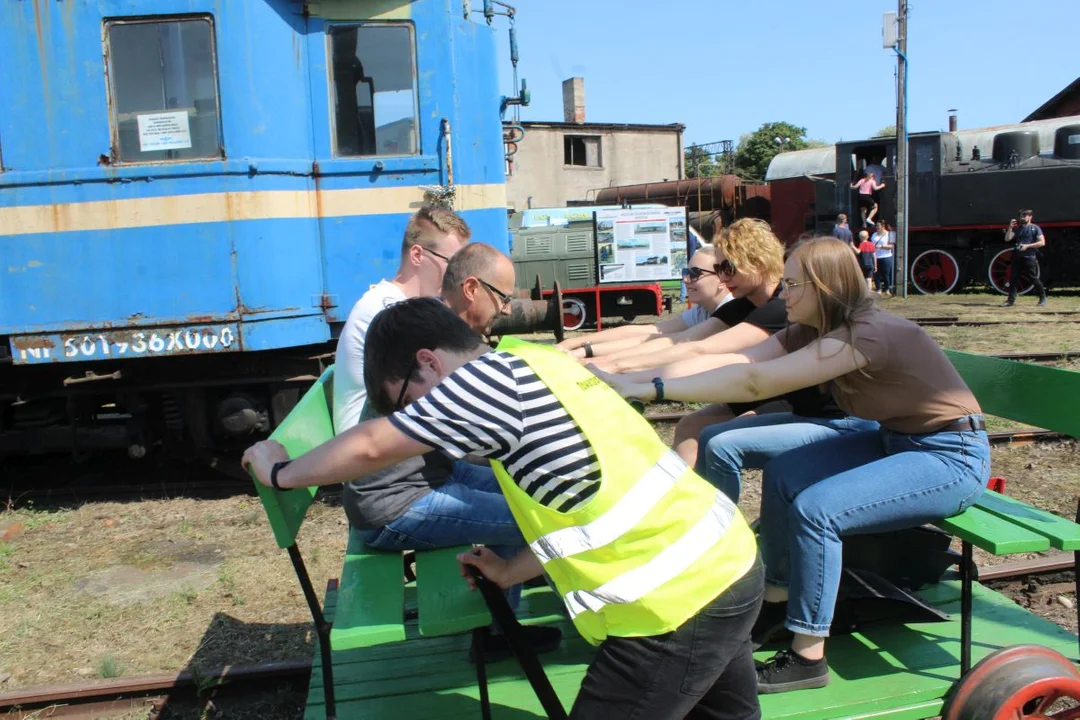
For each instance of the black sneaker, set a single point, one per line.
(496, 648)
(1042, 301)
(769, 624)
(1007, 303)
(787, 670)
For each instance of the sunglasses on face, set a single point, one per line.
(725, 268)
(405, 384)
(436, 254)
(693, 274)
(504, 299)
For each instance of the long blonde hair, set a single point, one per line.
(838, 284)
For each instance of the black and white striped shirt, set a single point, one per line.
(496, 406)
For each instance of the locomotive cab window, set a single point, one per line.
(375, 108)
(163, 89)
(877, 157)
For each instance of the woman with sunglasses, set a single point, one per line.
(930, 458)
(705, 290)
(750, 260)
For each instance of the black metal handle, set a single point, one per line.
(519, 644)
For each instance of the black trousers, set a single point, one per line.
(1024, 263)
(704, 669)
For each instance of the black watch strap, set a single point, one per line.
(658, 383)
(273, 474)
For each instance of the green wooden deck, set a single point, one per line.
(898, 672)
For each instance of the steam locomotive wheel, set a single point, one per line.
(574, 313)
(934, 272)
(1022, 682)
(1000, 267)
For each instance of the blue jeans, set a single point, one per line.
(885, 273)
(749, 442)
(863, 482)
(468, 508)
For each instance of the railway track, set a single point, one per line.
(953, 320)
(158, 695)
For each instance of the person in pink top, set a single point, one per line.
(867, 205)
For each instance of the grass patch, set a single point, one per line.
(109, 667)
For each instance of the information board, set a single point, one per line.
(633, 245)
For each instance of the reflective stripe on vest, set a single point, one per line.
(669, 563)
(627, 513)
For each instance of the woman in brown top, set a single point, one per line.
(929, 460)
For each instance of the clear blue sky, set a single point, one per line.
(723, 68)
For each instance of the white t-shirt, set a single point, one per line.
(349, 391)
(885, 238)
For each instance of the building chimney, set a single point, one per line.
(573, 100)
(952, 120)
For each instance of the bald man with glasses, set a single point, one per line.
(478, 286)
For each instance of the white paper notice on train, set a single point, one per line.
(164, 131)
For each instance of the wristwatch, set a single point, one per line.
(273, 474)
(588, 349)
(658, 383)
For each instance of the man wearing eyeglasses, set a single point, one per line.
(478, 286)
(432, 236)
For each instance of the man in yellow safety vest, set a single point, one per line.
(655, 566)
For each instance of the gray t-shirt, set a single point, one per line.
(378, 499)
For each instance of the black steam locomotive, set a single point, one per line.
(964, 187)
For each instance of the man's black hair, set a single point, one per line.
(398, 332)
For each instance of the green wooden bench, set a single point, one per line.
(1035, 395)
(373, 604)
(390, 649)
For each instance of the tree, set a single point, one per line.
(699, 163)
(758, 148)
(887, 131)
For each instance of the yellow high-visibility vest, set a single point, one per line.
(654, 545)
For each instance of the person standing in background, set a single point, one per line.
(1027, 238)
(883, 241)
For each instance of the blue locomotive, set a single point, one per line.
(193, 194)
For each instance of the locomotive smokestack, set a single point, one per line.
(952, 120)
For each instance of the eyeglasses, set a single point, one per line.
(693, 274)
(786, 284)
(503, 297)
(438, 255)
(405, 384)
(725, 268)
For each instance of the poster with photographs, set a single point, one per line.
(641, 245)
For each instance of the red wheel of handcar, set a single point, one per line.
(1000, 267)
(574, 313)
(934, 272)
(1021, 682)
